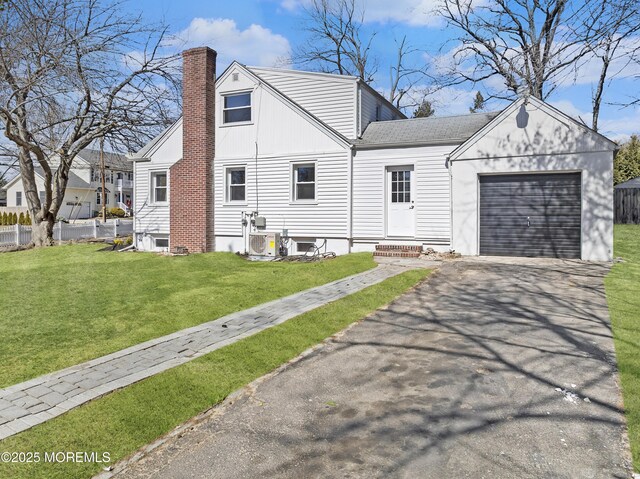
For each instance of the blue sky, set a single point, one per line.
(262, 32)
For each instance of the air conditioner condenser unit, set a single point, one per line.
(264, 244)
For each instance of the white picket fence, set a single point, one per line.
(21, 235)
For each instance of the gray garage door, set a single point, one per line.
(530, 215)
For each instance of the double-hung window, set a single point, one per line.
(237, 108)
(304, 182)
(236, 184)
(159, 186)
(18, 198)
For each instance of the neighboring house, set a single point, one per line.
(83, 196)
(328, 161)
(627, 202)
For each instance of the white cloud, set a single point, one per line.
(452, 101)
(409, 12)
(256, 45)
(622, 126)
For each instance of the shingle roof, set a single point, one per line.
(634, 183)
(111, 160)
(425, 131)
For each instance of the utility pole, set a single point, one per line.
(103, 194)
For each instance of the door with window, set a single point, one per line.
(401, 212)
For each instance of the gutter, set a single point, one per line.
(378, 146)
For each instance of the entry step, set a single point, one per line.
(398, 250)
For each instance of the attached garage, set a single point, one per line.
(533, 182)
(531, 215)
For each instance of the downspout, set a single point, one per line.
(350, 198)
(449, 163)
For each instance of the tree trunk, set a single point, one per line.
(42, 233)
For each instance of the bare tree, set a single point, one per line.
(616, 24)
(71, 72)
(336, 41)
(403, 77)
(526, 43)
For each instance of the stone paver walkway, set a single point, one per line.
(33, 402)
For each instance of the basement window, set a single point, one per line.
(306, 246)
(237, 108)
(161, 243)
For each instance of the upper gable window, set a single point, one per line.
(237, 108)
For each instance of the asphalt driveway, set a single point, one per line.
(490, 369)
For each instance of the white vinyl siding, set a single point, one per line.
(149, 217)
(431, 195)
(372, 108)
(326, 217)
(152, 218)
(279, 128)
(330, 99)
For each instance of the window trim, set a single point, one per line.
(223, 96)
(227, 184)
(19, 195)
(104, 197)
(152, 188)
(160, 248)
(294, 183)
(307, 241)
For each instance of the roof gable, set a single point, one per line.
(340, 138)
(530, 126)
(150, 148)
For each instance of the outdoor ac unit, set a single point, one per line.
(264, 244)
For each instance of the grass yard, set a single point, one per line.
(125, 420)
(623, 295)
(64, 305)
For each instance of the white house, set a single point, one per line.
(328, 161)
(83, 197)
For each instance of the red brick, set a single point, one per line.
(191, 178)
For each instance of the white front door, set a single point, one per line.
(401, 212)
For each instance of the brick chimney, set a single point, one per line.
(191, 178)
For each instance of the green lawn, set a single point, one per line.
(623, 294)
(64, 305)
(125, 420)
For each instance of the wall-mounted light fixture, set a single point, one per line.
(522, 118)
